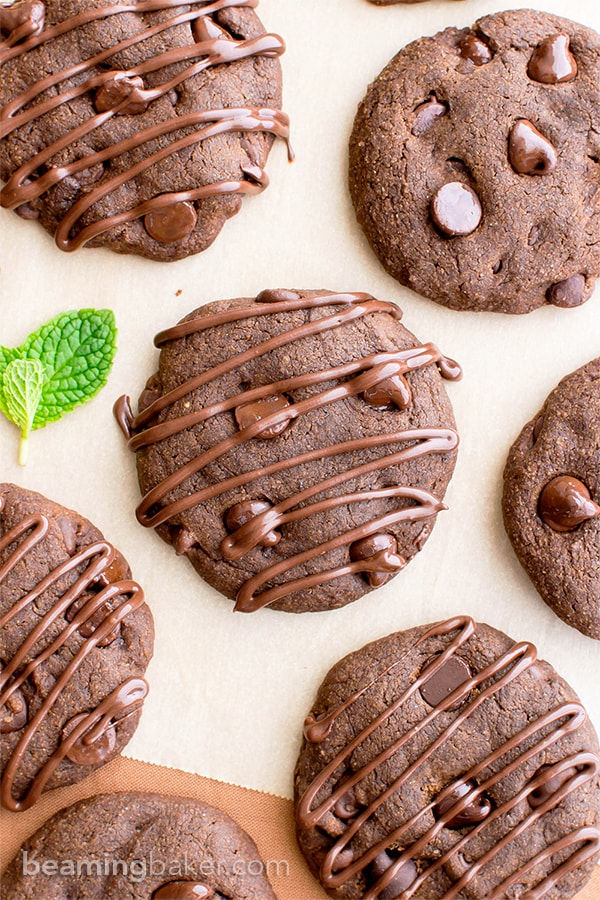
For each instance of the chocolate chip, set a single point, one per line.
(249, 413)
(119, 88)
(565, 503)
(89, 754)
(537, 427)
(184, 890)
(552, 61)
(426, 114)
(567, 293)
(244, 512)
(402, 880)
(550, 786)
(386, 394)
(529, 152)
(456, 209)
(172, 223)
(276, 296)
(27, 16)
(381, 549)
(13, 715)
(473, 48)
(182, 539)
(454, 672)
(476, 811)
(118, 570)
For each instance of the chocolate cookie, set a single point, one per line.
(149, 129)
(75, 640)
(295, 447)
(475, 164)
(551, 500)
(448, 762)
(138, 845)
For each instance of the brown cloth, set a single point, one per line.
(269, 820)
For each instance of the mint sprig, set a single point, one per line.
(60, 365)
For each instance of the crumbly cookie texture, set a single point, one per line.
(448, 761)
(475, 164)
(147, 846)
(138, 130)
(75, 639)
(551, 499)
(295, 446)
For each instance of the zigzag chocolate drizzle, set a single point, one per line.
(574, 771)
(89, 737)
(362, 375)
(122, 92)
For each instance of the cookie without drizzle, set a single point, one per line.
(295, 446)
(551, 500)
(141, 129)
(475, 164)
(448, 762)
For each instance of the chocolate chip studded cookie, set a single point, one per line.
(295, 447)
(75, 640)
(551, 500)
(139, 128)
(146, 846)
(475, 164)
(448, 762)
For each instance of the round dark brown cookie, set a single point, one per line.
(448, 762)
(295, 446)
(75, 639)
(150, 128)
(551, 500)
(141, 846)
(475, 164)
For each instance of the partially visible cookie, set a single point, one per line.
(448, 761)
(295, 446)
(75, 639)
(143, 846)
(475, 164)
(137, 127)
(551, 500)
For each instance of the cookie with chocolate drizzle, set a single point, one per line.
(445, 762)
(296, 446)
(75, 639)
(551, 499)
(147, 846)
(475, 164)
(138, 127)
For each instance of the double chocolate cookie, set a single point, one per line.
(448, 762)
(138, 127)
(295, 447)
(551, 500)
(475, 164)
(146, 846)
(75, 639)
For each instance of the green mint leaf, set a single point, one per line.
(77, 351)
(62, 364)
(22, 384)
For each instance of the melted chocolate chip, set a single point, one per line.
(346, 807)
(28, 17)
(476, 811)
(551, 785)
(278, 295)
(426, 114)
(181, 539)
(552, 61)
(183, 890)
(118, 570)
(454, 672)
(249, 413)
(381, 550)
(172, 223)
(244, 512)
(87, 628)
(565, 503)
(456, 209)
(118, 89)
(402, 880)
(386, 394)
(342, 860)
(13, 715)
(529, 152)
(473, 48)
(89, 754)
(567, 293)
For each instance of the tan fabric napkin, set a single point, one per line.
(268, 819)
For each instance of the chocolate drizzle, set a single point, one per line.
(89, 736)
(362, 375)
(117, 93)
(464, 802)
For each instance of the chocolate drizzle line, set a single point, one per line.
(126, 596)
(214, 46)
(362, 374)
(564, 719)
